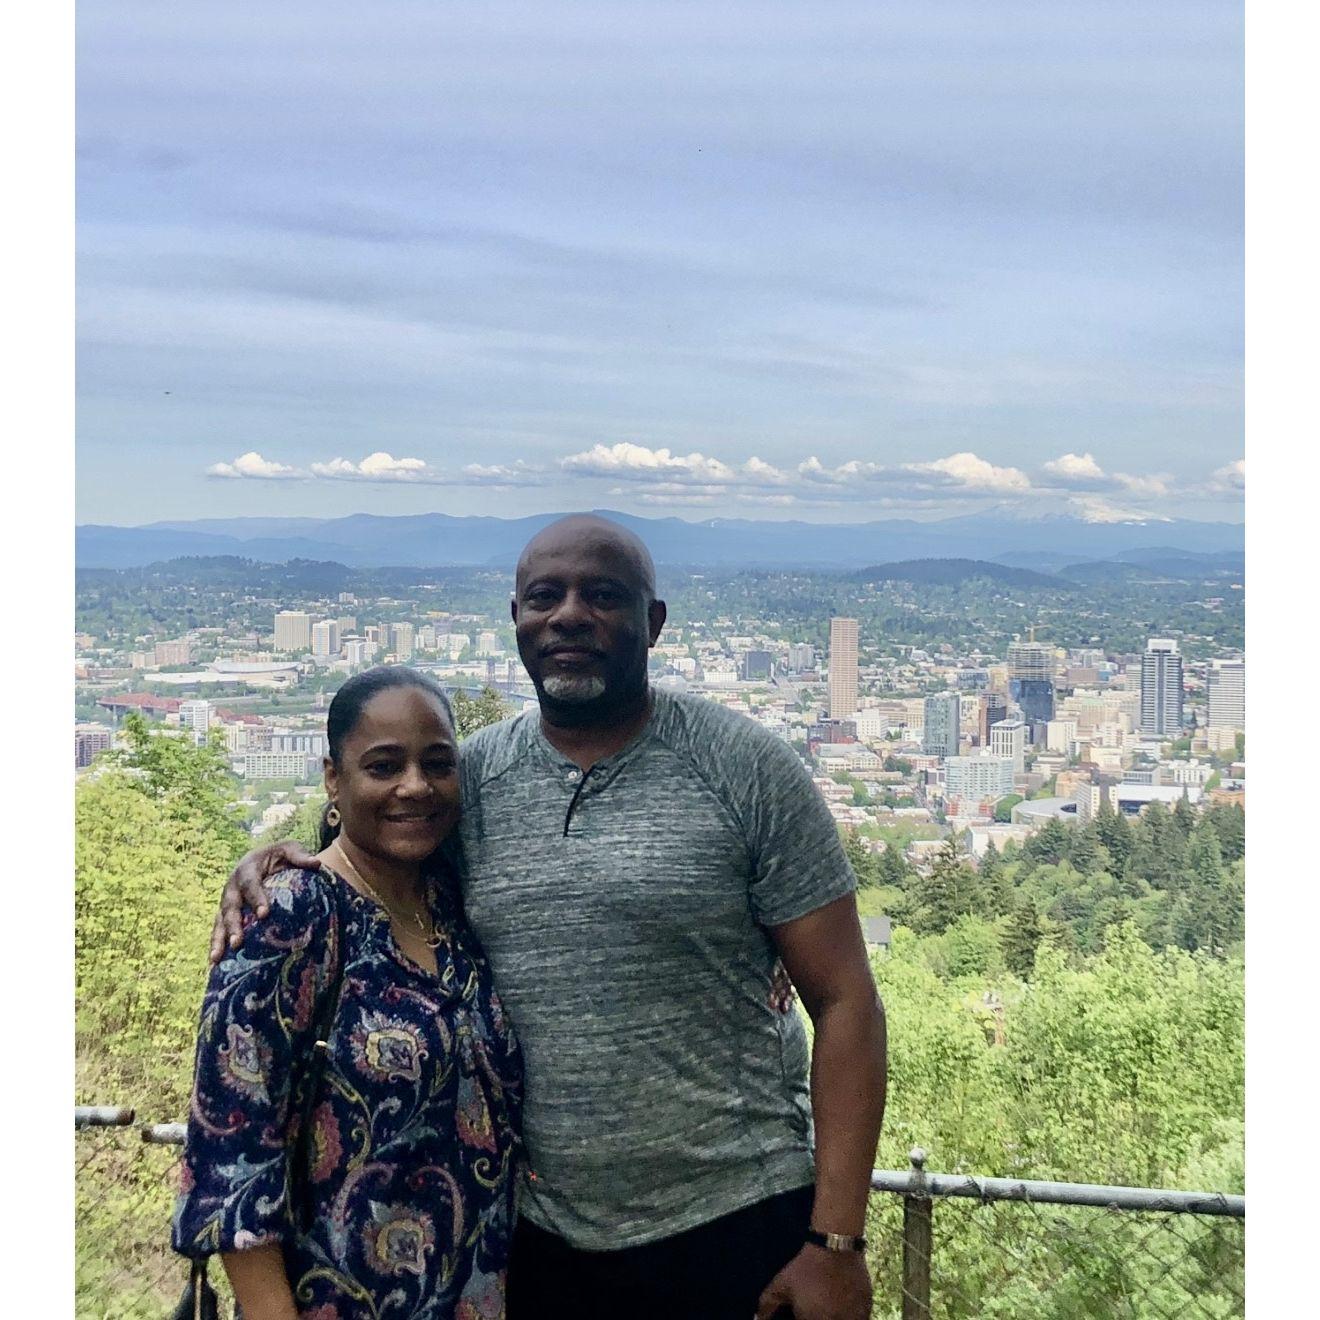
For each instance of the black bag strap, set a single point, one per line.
(323, 1021)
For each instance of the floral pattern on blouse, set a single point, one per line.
(412, 1155)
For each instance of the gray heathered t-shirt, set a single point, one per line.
(628, 941)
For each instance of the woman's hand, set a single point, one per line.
(245, 889)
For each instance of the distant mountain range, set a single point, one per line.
(434, 540)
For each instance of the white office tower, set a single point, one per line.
(401, 640)
(843, 668)
(973, 779)
(1161, 688)
(1008, 738)
(325, 638)
(1226, 691)
(293, 631)
(196, 715)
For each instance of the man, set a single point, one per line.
(639, 865)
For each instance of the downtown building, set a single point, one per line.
(1226, 693)
(976, 779)
(1161, 688)
(939, 731)
(293, 631)
(1031, 684)
(1008, 738)
(843, 668)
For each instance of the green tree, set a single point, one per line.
(1049, 844)
(473, 713)
(193, 784)
(949, 890)
(1021, 938)
(1183, 816)
(1086, 852)
(892, 868)
(860, 858)
(1004, 807)
(1116, 834)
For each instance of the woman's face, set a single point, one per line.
(396, 784)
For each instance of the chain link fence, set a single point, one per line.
(941, 1247)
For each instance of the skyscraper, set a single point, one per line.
(843, 668)
(1008, 738)
(293, 631)
(1161, 688)
(401, 640)
(939, 735)
(1226, 689)
(325, 637)
(993, 708)
(1031, 684)
(196, 715)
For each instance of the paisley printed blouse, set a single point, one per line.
(414, 1131)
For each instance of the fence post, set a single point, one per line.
(916, 1243)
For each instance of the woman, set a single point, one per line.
(404, 1204)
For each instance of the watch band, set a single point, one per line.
(836, 1241)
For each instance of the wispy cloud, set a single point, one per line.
(252, 465)
(659, 477)
(379, 466)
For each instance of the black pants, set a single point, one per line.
(715, 1271)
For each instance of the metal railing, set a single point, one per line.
(942, 1246)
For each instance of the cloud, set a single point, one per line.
(379, 466)
(1075, 467)
(1082, 472)
(1230, 477)
(501, 474)
(253, 465)
(973, 473)
(638, 463)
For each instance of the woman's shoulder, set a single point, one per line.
(301, 899)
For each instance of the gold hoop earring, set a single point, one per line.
(332, 817)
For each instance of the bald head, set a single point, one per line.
(586, 613)
(589, 536)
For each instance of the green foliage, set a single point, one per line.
(473, 713)
(1004, 807)
(304, 825)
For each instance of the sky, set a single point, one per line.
(834, 262)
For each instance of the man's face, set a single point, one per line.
(584, 618)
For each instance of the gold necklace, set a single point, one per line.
(432, 941)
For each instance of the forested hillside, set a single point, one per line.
(1071, 1011)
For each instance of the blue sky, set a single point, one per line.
(830, 261)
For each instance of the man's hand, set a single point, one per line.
(819, 1285)
(244, 889)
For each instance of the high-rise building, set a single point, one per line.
(325, 637)
(347, 624)
(801, 657)
(1161, 688)
(401, 640)
(993, 708)
(1226, 689)
(293, 631)
(196, 715)
(488, 643)
(939, 735)
(178, 652)
(843, 668)
(1031, 684)
(1009, 738)
(973, 779)
(89, 741)
(755, 665)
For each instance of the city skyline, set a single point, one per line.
(502, 260)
